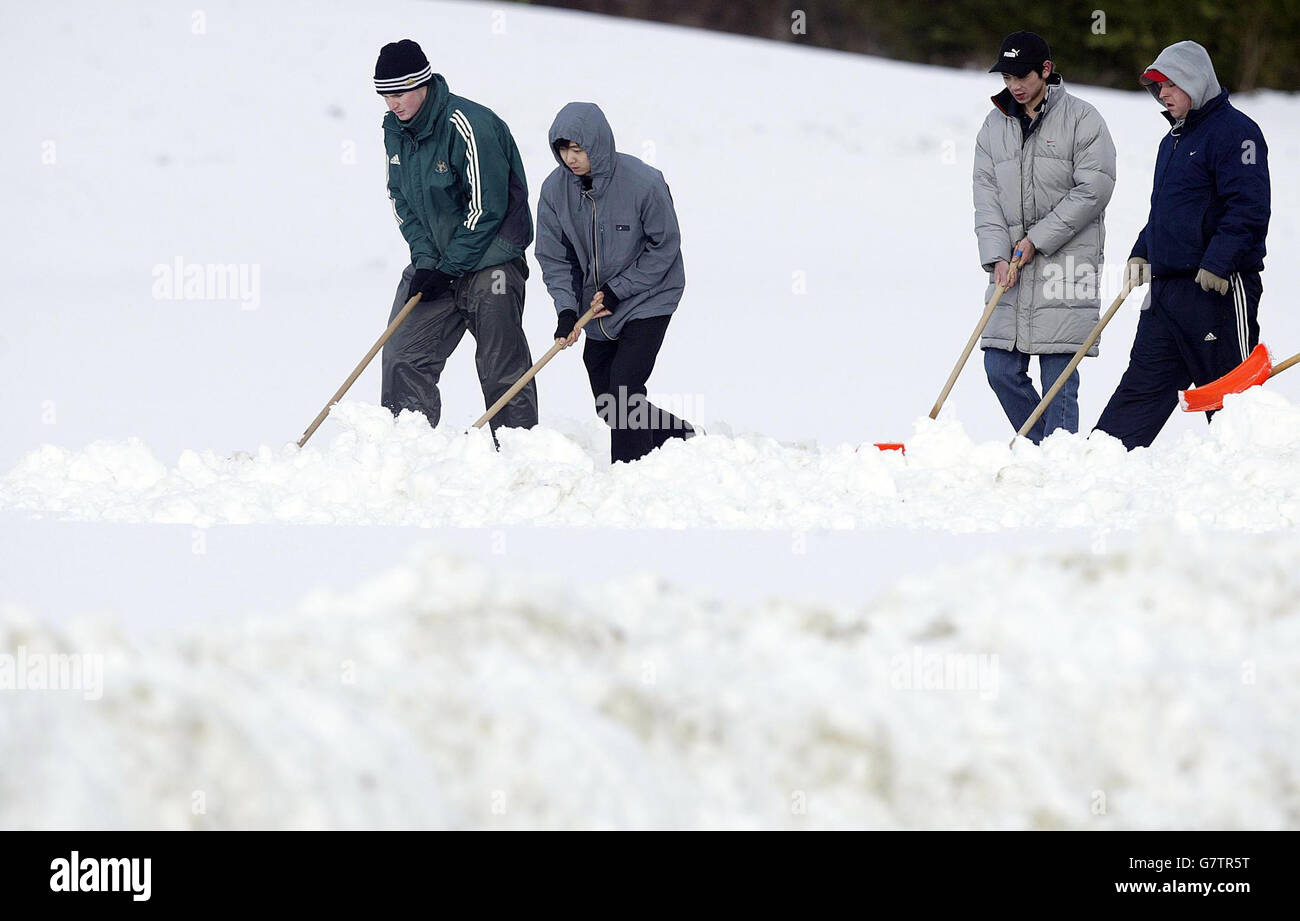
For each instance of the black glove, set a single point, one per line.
(429, 283)
(567, 320)
(611, 299)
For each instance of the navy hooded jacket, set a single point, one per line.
(1210, 201)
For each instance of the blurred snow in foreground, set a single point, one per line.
(1152, 687)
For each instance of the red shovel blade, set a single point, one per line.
(891, 446)
(1254, 370)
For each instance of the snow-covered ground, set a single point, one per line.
(1242, 473)
(741, 630)
(437, 694)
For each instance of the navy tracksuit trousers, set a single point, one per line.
(1185, 336)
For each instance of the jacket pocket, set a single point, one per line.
(621, 243)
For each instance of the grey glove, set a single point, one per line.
(1209, 281)
(1137, 272)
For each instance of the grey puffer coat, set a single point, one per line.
(1055, 186)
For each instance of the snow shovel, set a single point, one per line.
(530, 373)
(1257, 368)
(374, 350)
(1000, 290)
(1074, 362)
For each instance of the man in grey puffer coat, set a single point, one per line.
(1044, 173)
(607, 238)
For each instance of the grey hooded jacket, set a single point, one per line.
(622, 232)
(1055, 186)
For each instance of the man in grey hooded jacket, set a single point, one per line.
(607, 238)
(1044, 173)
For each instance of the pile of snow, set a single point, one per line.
(1153, 687)
(1240, 473)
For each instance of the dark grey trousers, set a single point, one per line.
(490, 304)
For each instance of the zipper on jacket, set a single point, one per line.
(1168, 163)
(595, 251)
(595, 245)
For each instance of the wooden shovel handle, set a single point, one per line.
(975, 337)
(1074, 362)
(531, 372)
(374, 350)
(1282, 366)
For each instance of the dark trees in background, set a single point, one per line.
(1254, 43)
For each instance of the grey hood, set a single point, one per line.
(585, 123)
(1189, 66)
(621, 233)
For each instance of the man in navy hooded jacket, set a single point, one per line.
(607, 238)
(1203, 247)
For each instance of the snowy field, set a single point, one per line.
(774, 625)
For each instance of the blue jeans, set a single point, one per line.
(1008, 373)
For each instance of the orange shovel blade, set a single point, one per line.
(1254, 370)
(891, 446)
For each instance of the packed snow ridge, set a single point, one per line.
(440, 694)
(1240, 473)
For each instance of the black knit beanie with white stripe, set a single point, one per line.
(401, 68)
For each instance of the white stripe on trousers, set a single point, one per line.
(1243, 325)
(476, 194)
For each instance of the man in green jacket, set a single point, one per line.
(461, 200)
